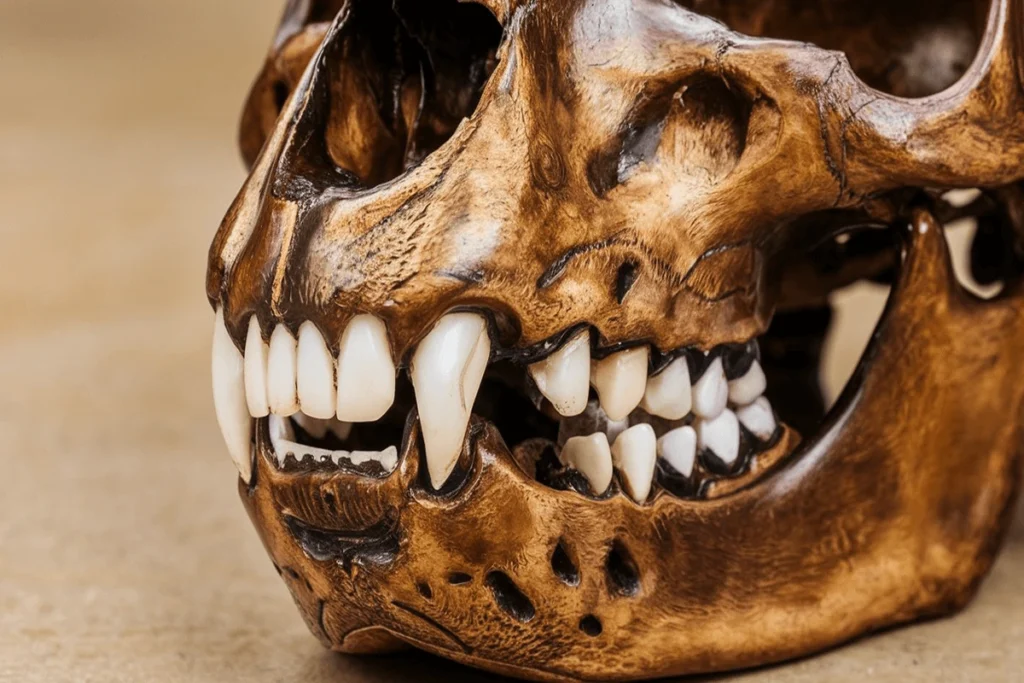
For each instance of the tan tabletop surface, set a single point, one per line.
(124, 552)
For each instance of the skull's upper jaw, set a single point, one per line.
(893, 511)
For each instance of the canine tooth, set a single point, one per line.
(746, 389)
(711, 392)
(564, 376)
(281, 373)
(592, 457)
(634, 454)
(313, 426)
(721, 436)
(620, 380)
(256, 370)
(366, 372)
(679, 449)
(315, 374)
(447, 369)
(668, 394)
(229, 397)
(759, 419)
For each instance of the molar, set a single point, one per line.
(721, 436)
(679, 449)
(446, 372)
(564, 376)
(366, 371)
(759, 419)
(668, 393)
(620, 381)
(711, 391)
(746, 389)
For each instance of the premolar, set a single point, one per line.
(668, 394)
(564, 377)
(620, 381)
(634, 454)
(679, 449)
(721, 436)
(746, 389)
(759, 419)
(446, 372)
(592, 457)
(711, 391)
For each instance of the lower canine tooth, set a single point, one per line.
(315, 374)
(679, 449)
(721, 436)
(564, 377)
(447, 369)
(620, 381)
(229, 398)
(281, 373)
(591, 457)
(711, 392)
(746, 389)
(668, 394)
(634, 454)
(759, 419)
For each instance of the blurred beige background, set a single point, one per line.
(125, 555)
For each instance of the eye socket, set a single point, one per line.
(401, 77)
(905, 48)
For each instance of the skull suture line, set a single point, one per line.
(462, 217)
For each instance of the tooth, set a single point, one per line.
(668, 394)
(388, 458)
(564, 376)
(281, 371)
(721, 436)
(620, 380)
(366, 373)
(591, 457)
(679, 449)
(229, 398)
(759, 419)
(315, 374)
(256, 371)
(634, 454)
(711, 392)
(447, 369)
(744, 390)
(313, 426)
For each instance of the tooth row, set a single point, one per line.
(282, 437)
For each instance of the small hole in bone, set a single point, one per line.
(624, 280)
(623, 573)
(591, 625)
(509, 598)
(459, 578)
(563, 566)
(425, 590)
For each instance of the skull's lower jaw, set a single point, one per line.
(881, 518)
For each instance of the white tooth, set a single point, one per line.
(759, 419)
(315, 374)
(447, 369)
(591, 457)
(388, 458)
(281, 371)
(668, 394)
(366, 373)
(564, 376)
(340, 429)
(313, 426)
(634, 454)
(280, 430)
(679, 449)
(620, 380)
(615, 427)
(745, 390)
(229, 398)
(721, 436)
(711, 392)
(256, 371)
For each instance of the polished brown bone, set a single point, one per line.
(683, 175)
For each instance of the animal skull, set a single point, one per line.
(488, 310)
